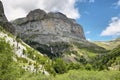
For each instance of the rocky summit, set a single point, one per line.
(39, 28)
(42, 27)
(4, 22)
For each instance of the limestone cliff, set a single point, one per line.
(4, 22)
(44, 31)
(43, 27)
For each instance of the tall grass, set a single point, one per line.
(89, 75)
(76, 75)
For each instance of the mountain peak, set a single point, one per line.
(48, 27)
(57, 15)
(36, 14)
(39, 29)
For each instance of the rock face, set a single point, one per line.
(39, 27)
(43, 27)
(4, 22)
(2, 15)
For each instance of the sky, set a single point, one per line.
(100, 19)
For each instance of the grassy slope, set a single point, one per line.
(76, 75)
(114, 58)
(109, 45)
(71, 51)
(110, 60)
(26, 56)
(89, 75)
(78, 50)
(86, 50)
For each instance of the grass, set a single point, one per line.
(70, 75)
(78, 52)
(109, 45)
(89, 75)
(76, 75)
(3, 30)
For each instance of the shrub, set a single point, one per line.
(88, 66)
(50, 69)
(60, 66)
(76, 66)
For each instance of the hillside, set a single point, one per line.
(22, 54)
(110, 61)
(115, 59)
(109, 45)
(25, 60)
(82, 52)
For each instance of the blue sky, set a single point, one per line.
(100, 19)
(96, 17)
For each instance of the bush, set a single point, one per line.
(76, 66)
(60, 66)
(50, 69)
(88, 66)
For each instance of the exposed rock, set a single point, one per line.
(36, 15)
(56, 15)
(48, 27)
(4, 22)
(39, 27)
(2, 15)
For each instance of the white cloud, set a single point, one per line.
(19, 8)
(113, 29)
(116, 4)
(86, 12)
(90, 1)
(88, 32)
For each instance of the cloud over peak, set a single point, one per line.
(19, 8)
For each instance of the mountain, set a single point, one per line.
(54, 35)
(41, 27)
(109, 45)
(51, 33)
(50, 43)
(4, 22)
